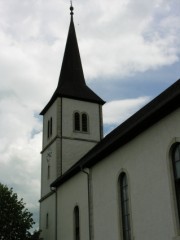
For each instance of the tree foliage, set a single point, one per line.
(15, 220)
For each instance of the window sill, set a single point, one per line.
(75, 131)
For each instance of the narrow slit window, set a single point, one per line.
(48, 172)
(51, 123)
(76, 223)
(176, 168)
(124, 202)
(84, 122)
(48, 129)
(47, 220)
(76, 121)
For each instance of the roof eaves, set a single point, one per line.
(165, 103)
(55, 96)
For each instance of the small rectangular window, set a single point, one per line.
(48, 172)
(51, 125)
(48, 128)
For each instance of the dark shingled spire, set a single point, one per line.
(71, 80)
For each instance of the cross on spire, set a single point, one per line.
(71, 9)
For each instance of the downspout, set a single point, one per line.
(55, 191)
(86, 171)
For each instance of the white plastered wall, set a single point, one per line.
(51, 144)
(73, 150)
(52, 163)
(77, 144)
(145, 159)
(92, 109)
(73, 193)
(48, 207)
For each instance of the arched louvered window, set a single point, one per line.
(76, 121)
(81, 122)
(176, 168)
(84, 122)
(124, 204)
(76, 223)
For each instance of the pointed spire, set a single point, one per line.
(71, 80)
(71, 74)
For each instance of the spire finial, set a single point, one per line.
(71, 8)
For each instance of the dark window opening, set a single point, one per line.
(125, 213)
(84, 122)
(80, 122)
(49, 130)
(47, 220)
(51, 126)
(176, 168)
(48, 173)
(77, 121)
(76, 223)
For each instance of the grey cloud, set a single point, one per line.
(116, 39)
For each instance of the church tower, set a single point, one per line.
(72, 119)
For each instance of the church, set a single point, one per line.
(124, 186)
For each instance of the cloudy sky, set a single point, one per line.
(130, 52)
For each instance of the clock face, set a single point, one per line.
(49, 155)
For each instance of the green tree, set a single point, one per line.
(15, 220)
(35, 236)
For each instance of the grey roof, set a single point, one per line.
(162, 105)
(71, 80)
